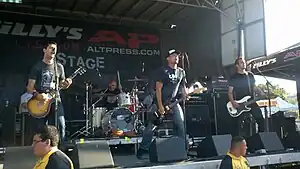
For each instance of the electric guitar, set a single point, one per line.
(158, 117)
(40, 109)
(244, 103)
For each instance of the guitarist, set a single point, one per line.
(169, 84)
(42, 80)
(242, 84)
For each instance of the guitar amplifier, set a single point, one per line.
(197, 117)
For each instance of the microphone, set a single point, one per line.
(181, 55)
(143, 67)
(99, 74)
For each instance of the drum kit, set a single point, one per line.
(124, 120)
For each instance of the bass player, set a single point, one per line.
(42, 80)
(242, 84)
(170, 83)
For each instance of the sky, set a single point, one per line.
(282, 24)
(288, 85)
(282, 31)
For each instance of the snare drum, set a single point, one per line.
(118, 122)
(124, 99)
(98, 113)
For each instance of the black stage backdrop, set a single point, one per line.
(92, 45)
(106, 48)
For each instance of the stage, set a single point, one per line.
(123, 153)
(130, 161)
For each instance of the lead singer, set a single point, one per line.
(170, 83)
(42, 80)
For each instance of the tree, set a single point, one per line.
(275, 91)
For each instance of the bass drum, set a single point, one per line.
(118, 122)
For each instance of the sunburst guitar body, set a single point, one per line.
(40, 109)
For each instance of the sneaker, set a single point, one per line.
(140, 154)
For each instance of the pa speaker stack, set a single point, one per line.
(214, 146)
(19, 158)
(167, 150)
(92, 154)
(268, 141)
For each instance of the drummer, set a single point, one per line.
(110, 98)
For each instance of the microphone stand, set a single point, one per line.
(268, 83)
(56, 92)
(184, 104)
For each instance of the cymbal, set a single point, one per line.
(103, 94)
(137, 80)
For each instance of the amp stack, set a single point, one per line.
(198, 121)
(222, 121)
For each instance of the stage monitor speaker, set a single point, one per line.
(214, 146)
(93, 154)
(167, 150)
(266, 140)
(291, 140)
(19, 158)
(197, 117)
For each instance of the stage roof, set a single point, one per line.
(153, 12)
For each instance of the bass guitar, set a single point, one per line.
(40, 109)
(244, 103)
(158, 117)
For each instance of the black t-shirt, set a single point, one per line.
(240, 84)
(171, 78)
(44, 75)
(58, 160)
(111, 101)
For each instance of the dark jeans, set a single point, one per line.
(178, 119)
(245, 119)
(50, 119)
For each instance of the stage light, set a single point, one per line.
(12, 1)
(173, 26)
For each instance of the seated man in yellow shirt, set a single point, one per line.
(45, 143)
(235, 157)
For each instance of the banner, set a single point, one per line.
(91, 45)
(278, 60)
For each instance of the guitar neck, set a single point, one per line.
(251, 102)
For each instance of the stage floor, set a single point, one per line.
(130, 161)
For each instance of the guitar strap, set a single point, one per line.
(175, 91)
(249, 85)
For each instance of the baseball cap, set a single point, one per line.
(172, 51)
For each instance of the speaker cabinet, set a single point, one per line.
(214, 146)
(266, 140)
(167, 150)
(19, 157)
(197, 117)
(291, 140)
(92, 154)
(224, 123)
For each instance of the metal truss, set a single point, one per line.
(211, 4)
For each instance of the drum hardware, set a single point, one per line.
(85, 130)
(137, 80)
(96, 120)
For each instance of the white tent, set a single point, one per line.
(281, 105)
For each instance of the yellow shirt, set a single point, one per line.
(53, 159)
(232, 162)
